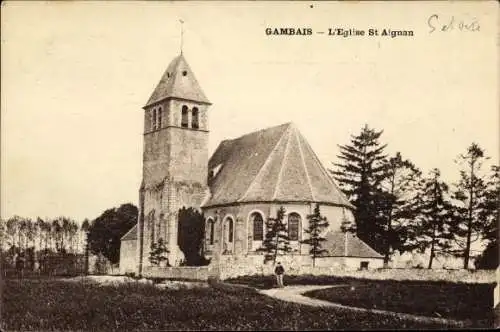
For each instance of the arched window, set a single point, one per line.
(211, 230)
(258, 226)
(153, 120)
(293, 226)
(160, 111)
(230, 229)
(195, 121)
(184, 119)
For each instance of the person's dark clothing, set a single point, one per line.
(279, 270)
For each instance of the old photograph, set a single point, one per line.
(253, 165)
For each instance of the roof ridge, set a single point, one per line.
(263, 165)
(130, 230)
(287, 149)
(258, 131)
(323, 170)
(304, 163)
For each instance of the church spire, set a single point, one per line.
(178, 82)
(182, 33)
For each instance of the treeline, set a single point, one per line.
(62, 244)
(63, 235)
(43, 246)
(400, 208)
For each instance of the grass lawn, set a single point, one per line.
(428, 298)
(58, 305)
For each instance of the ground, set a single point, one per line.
(470, 303)
(439, 299)
(44, 304)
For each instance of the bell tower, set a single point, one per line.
(175, 158)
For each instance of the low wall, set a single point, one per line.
(234, 266)
(184, 272)
(466, 276)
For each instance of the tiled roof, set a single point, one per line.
(273, 164)
(131, 234)
(341, 244)
(178, 81)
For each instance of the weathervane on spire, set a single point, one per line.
(182, 32)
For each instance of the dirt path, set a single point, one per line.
(294, 294)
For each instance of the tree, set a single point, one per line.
(317, 223)
(398, 211)
(3, 234)
(30, 233)
(276, 241)
(434, 222)
(21, 233)
(12, 229)
(490, 205)
(82, 238)
(359, 175)
(105, 231)
(40, 230)
(470, 195)
(56, 234)
(190, 236)
(157, 252)
(65, 229)
(488, 260)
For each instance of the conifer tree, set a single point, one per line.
(276, 241)
(398, 202)
(317, 223)
(470, 196)
(359, 175)
(490, 205)
(157, 253)
(434, 222)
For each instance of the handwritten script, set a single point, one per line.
(449, 23)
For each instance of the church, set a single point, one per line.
(244, 182)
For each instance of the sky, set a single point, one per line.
(75, 76)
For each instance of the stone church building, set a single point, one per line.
(238, 188)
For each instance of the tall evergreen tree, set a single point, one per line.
(359, 175)
(190, 236)
(276, 241)
(158, 252)
(317, 223)
(490, 206)
(433, 229)
(398, 212)
(470, 196)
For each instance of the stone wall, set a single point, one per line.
(174, 174)
(466, 276)
(235, 266)
(243, 230)
(184, 272)
(128, 256)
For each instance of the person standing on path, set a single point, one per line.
(279, 271)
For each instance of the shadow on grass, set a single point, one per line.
(58, 305)
(440, 299)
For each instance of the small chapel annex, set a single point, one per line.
(238, 188)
